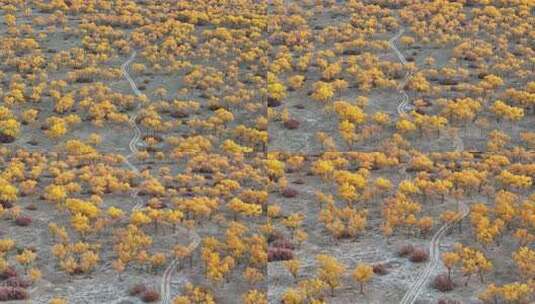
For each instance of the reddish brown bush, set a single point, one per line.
(380, 269)
(12, 293)
(282, 243)
(150, 295)
(8, 273)
(23, 221)
(291, 124)
(289, 192)
(419, 255)
(279, 254)
(137, 289)
(405, 250)
(443, 283)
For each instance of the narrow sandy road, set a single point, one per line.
(434, 246)
(165, 285)
(137, 132)
(404, 104)
(434, 258)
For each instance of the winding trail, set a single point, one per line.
(404, 104)
(165, 285)
(434, 256)
(137, 132)
(434, 246)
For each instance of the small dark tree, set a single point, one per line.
(443, 283)
(289, 192)
(150, 295)
(405, 250)
(419, 255)
(23, 221)
(137, 289)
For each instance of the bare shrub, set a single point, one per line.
(289, 192)
(291, 124)
(419, 255)
(137, 289)
(405, 250)
(443, 283)
(283, 243)
(150, 295)
(279, 254)
(380, 269)
(23, 221)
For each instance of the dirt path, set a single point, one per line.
(165, 285)
(404, 104)
(132, 145)
(434, 247)
(137, 132)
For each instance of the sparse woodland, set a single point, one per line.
(286, 151)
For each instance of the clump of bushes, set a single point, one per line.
(416, 255)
